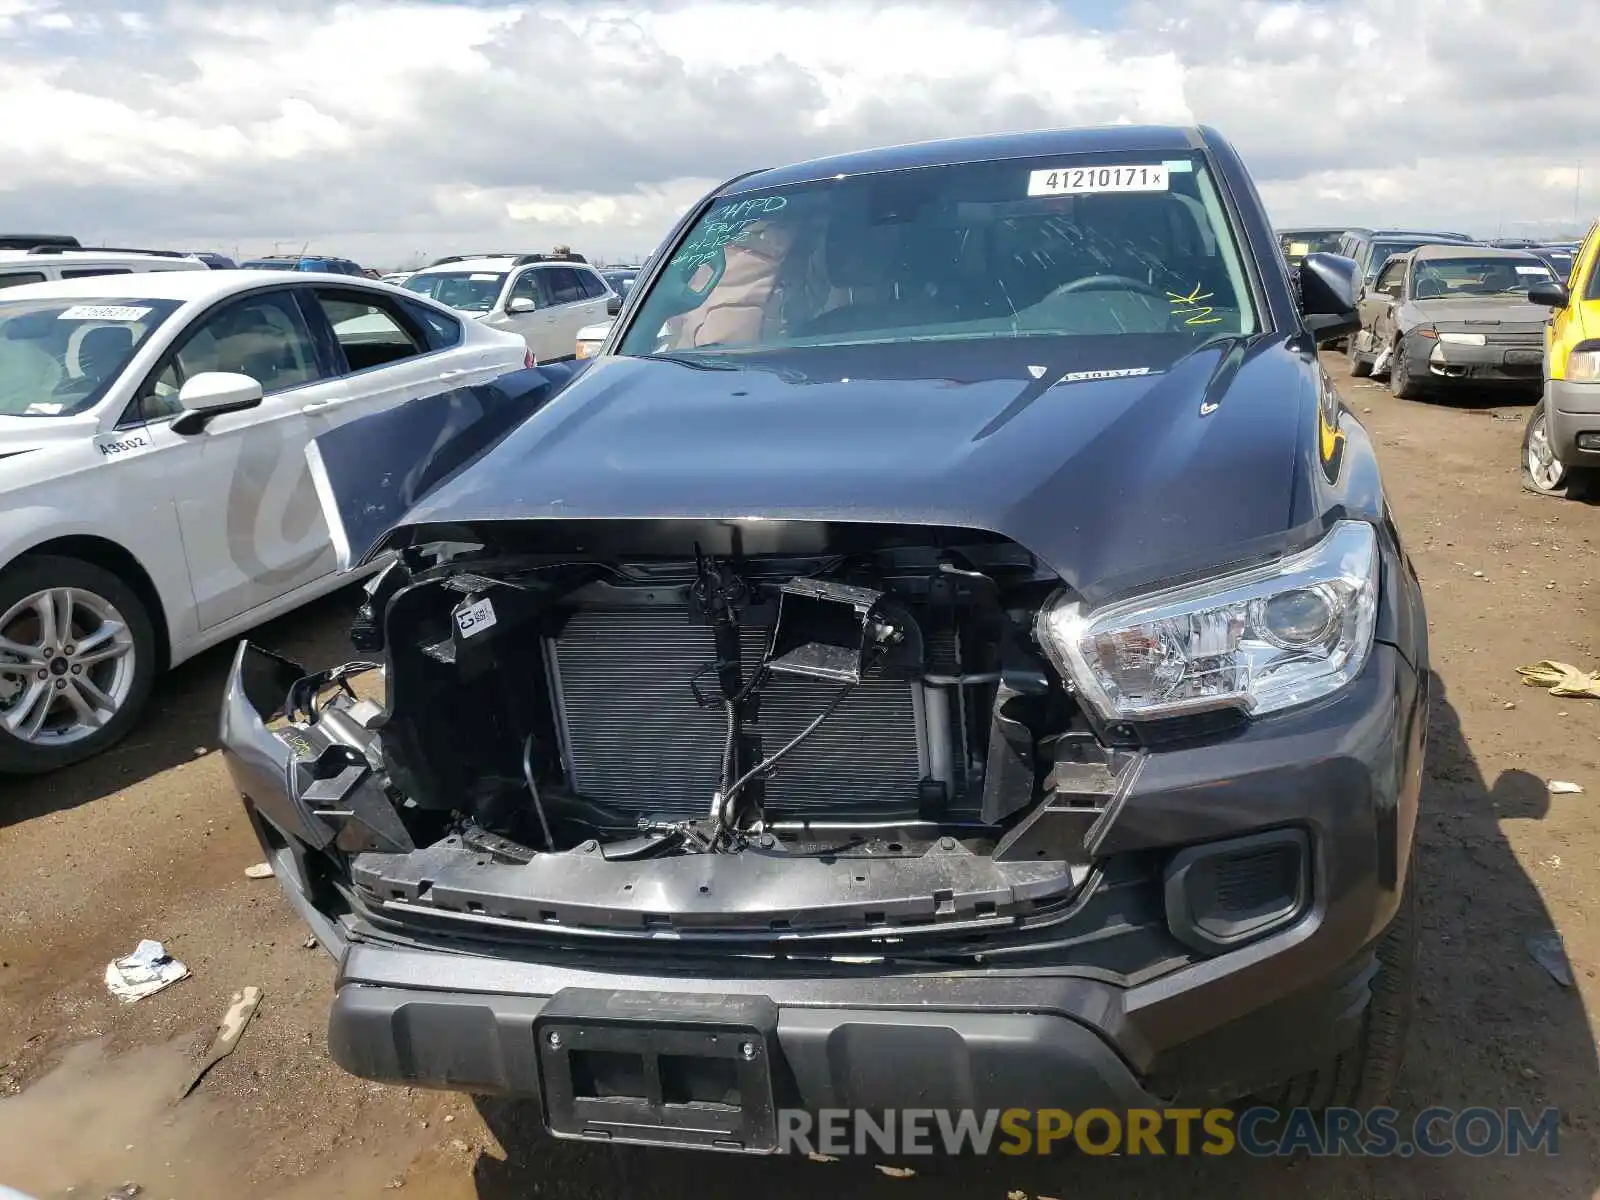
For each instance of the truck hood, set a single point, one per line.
(1130, 458)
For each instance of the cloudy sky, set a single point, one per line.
(389, 129)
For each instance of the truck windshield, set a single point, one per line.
(1018, 248)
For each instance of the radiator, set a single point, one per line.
(633, 736)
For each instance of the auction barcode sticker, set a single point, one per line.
(1068, 181)
(103, 312)
(475, 618)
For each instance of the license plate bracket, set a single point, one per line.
(659, 1068)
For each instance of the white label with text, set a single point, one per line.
(1070, 181)
(475, 618)
(103, 312)
(126, 444)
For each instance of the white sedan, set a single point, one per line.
(154, 488)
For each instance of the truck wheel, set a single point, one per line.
(1543, 473)
(1401, 385)
(77, 658)
(1364, 1075)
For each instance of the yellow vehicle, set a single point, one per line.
(1561, 447)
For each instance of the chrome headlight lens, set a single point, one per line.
(1260, 640)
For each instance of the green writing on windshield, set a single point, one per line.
(729, 224)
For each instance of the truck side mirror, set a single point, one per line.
(1329, 284)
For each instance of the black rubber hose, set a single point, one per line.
(771, 760)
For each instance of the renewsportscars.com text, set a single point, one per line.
(1258, 1132)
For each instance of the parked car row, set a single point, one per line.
(544, 298)
(153, 469)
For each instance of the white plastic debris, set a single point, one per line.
(144, 972)
(259, 871)
(1560, 787)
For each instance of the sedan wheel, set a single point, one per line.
(1542, 472)
(1401, 385)
(76, 660)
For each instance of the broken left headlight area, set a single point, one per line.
(846, 738)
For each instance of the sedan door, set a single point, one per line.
(387, 355)
(252, 529)
(581, 296)
(1377, 307)
(533, 325)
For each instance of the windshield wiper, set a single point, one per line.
(695, 361)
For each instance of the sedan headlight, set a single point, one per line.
(1464, 339)
(1583, 366)
(1260, 640)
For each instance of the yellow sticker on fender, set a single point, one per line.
(1069, 181)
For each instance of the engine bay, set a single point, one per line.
(583, 715)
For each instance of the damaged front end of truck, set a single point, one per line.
(779, 736)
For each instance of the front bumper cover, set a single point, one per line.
(1572, 409)
(972, 1027)
(1442, 363)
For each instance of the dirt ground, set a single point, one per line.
(149, 842)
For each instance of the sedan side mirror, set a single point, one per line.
(521, 305)
(1551, 293)
(1329, 285)
(211, 394)
(613, 306)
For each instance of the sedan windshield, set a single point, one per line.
(59, 356)
(1015, 249)
(1502, 275)
(470, 291)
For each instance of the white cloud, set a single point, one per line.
(377, 127)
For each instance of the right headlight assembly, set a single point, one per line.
(1260, 640)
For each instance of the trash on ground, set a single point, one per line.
(144, 972)
(1560, 787)
(128, 1191)
(309, 944)
(259, 871)
(1562, 679)
(1549, 953)
(815, 1157)
(1382, 361)
(228, 1034)
(895, 1172)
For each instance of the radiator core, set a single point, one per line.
(633, 736)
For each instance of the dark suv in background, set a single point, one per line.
(304, 262)
(1371, 248)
